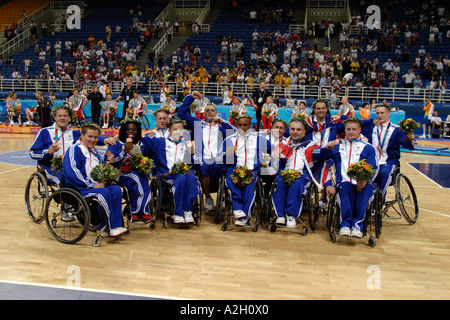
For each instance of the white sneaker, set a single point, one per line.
(429, 136)
(178, 219)
(117, 231)
(423, 136)
(290, 222)
(355, 233)
(239, 214)
(281, 221)
(209, 205)
(241, 222)
(344, 232)
(188, 217)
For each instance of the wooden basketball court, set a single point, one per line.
(408, 262)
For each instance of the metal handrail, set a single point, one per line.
(215, 89)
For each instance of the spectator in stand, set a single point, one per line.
(427, 117)
(127, 94)
(436, 124)
(95, 98)
(258, 98)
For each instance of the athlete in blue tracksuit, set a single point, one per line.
(166, 152)
(208, 136)
(322, 129)
(387, 139)
(353, 149)
(295, 154)
(137, 184)
(53, 141)
(243, 148)
(78, 163)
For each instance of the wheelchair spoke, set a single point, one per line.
(66, 216)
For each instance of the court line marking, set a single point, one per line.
(438, 213)
(14, 169)
(425, 175)
(52, 286)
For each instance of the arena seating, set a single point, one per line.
(93, 24)
(12, 11)
(401, 15)
(231, 22)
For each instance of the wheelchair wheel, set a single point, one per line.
(270, 214)
(333, 218)
(126, 207)
(220, 200)
(145, 122)
(198, 205)
(228, 208)
(67, 215)
(406, 198)
(36, 195)
(115, 121)
(311, 205)
(155, 201)
(373, 219)
(258, 208)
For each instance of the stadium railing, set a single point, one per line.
(215, 89)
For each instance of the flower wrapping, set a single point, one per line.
(242, 176)
(17, 110)
(112, 109)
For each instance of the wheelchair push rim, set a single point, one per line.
(67, 216)
(406, 198)
(36, 195)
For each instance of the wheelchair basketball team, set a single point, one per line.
(318, 148)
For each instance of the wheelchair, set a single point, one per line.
(405, 198)
(372, 220)
(162, 202)
(224, 205)
(11, 116)
(113, 121)
(69, 216)
(310, 208)
(37, 191)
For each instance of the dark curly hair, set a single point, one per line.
(123, 130)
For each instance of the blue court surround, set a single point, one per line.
(22, 157)
(24, 291)
(438, 172)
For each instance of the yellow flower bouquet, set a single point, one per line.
(242, 176)
(141, 164)
(289, 176)
(180, 168)
(408, 125)
(360, 171)
(112, 109)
